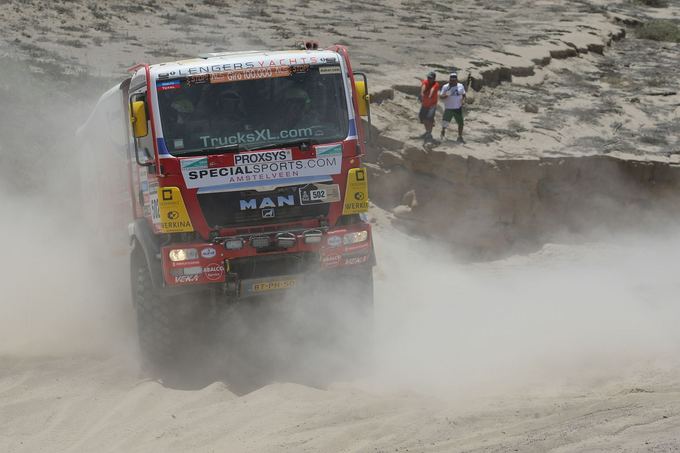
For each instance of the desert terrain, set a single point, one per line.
(526, 287)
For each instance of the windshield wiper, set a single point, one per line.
(211, 151)
(303, 143)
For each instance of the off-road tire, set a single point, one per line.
(156, 320)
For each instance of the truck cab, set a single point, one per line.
(245, 175)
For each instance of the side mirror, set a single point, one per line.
(138, 119)
(363, 98)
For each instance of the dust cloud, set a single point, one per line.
(567, 317)
(564, 318)
(56, 298)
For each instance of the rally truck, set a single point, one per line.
(233, 176)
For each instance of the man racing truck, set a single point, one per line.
(234, 175)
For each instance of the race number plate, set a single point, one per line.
(319, 193)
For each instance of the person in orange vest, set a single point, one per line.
(429, 95)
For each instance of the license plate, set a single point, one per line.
(273, 285)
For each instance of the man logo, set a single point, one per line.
(172, 215)
(268, 213)
(267, 202)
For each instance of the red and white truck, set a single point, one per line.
(230, 176)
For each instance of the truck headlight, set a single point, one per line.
(183, 254)
(355, 237)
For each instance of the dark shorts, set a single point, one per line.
(427, 113)
(453, 113)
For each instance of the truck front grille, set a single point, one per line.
(223, 209)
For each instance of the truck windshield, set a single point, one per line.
(275, 106)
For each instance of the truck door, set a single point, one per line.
(145, 182)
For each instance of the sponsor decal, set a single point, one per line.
(179, 143)
(153, 203)
(331, 260)
(168, 85)
(251, 74)
(334, 241)
(267, 202)
(259, 135)
(195, 163)
(172, 213)
(268, 63)
(176, 226)
(198, 79)
(329, 150)
(359, 246)
(184, 264)
(213, 271)
(186, 278)
(355, 260)
(280, 155)
(319, 193)
(298, 69)
(273, 165)
(329, 70)
(356, 192)
(208, 252)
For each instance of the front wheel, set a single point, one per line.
(171, 329)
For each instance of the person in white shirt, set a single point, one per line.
(453, 95)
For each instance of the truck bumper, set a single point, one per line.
(256, 268)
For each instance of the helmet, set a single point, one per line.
(297, 94)
(431, 75)
(229, 97)
(182, 105)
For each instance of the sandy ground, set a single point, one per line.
(572, 348)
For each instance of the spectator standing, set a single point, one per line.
(453, 94)
(429, 95)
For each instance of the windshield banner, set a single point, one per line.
(265, 167)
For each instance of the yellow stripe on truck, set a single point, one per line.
(173, 212)
(356, 193)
